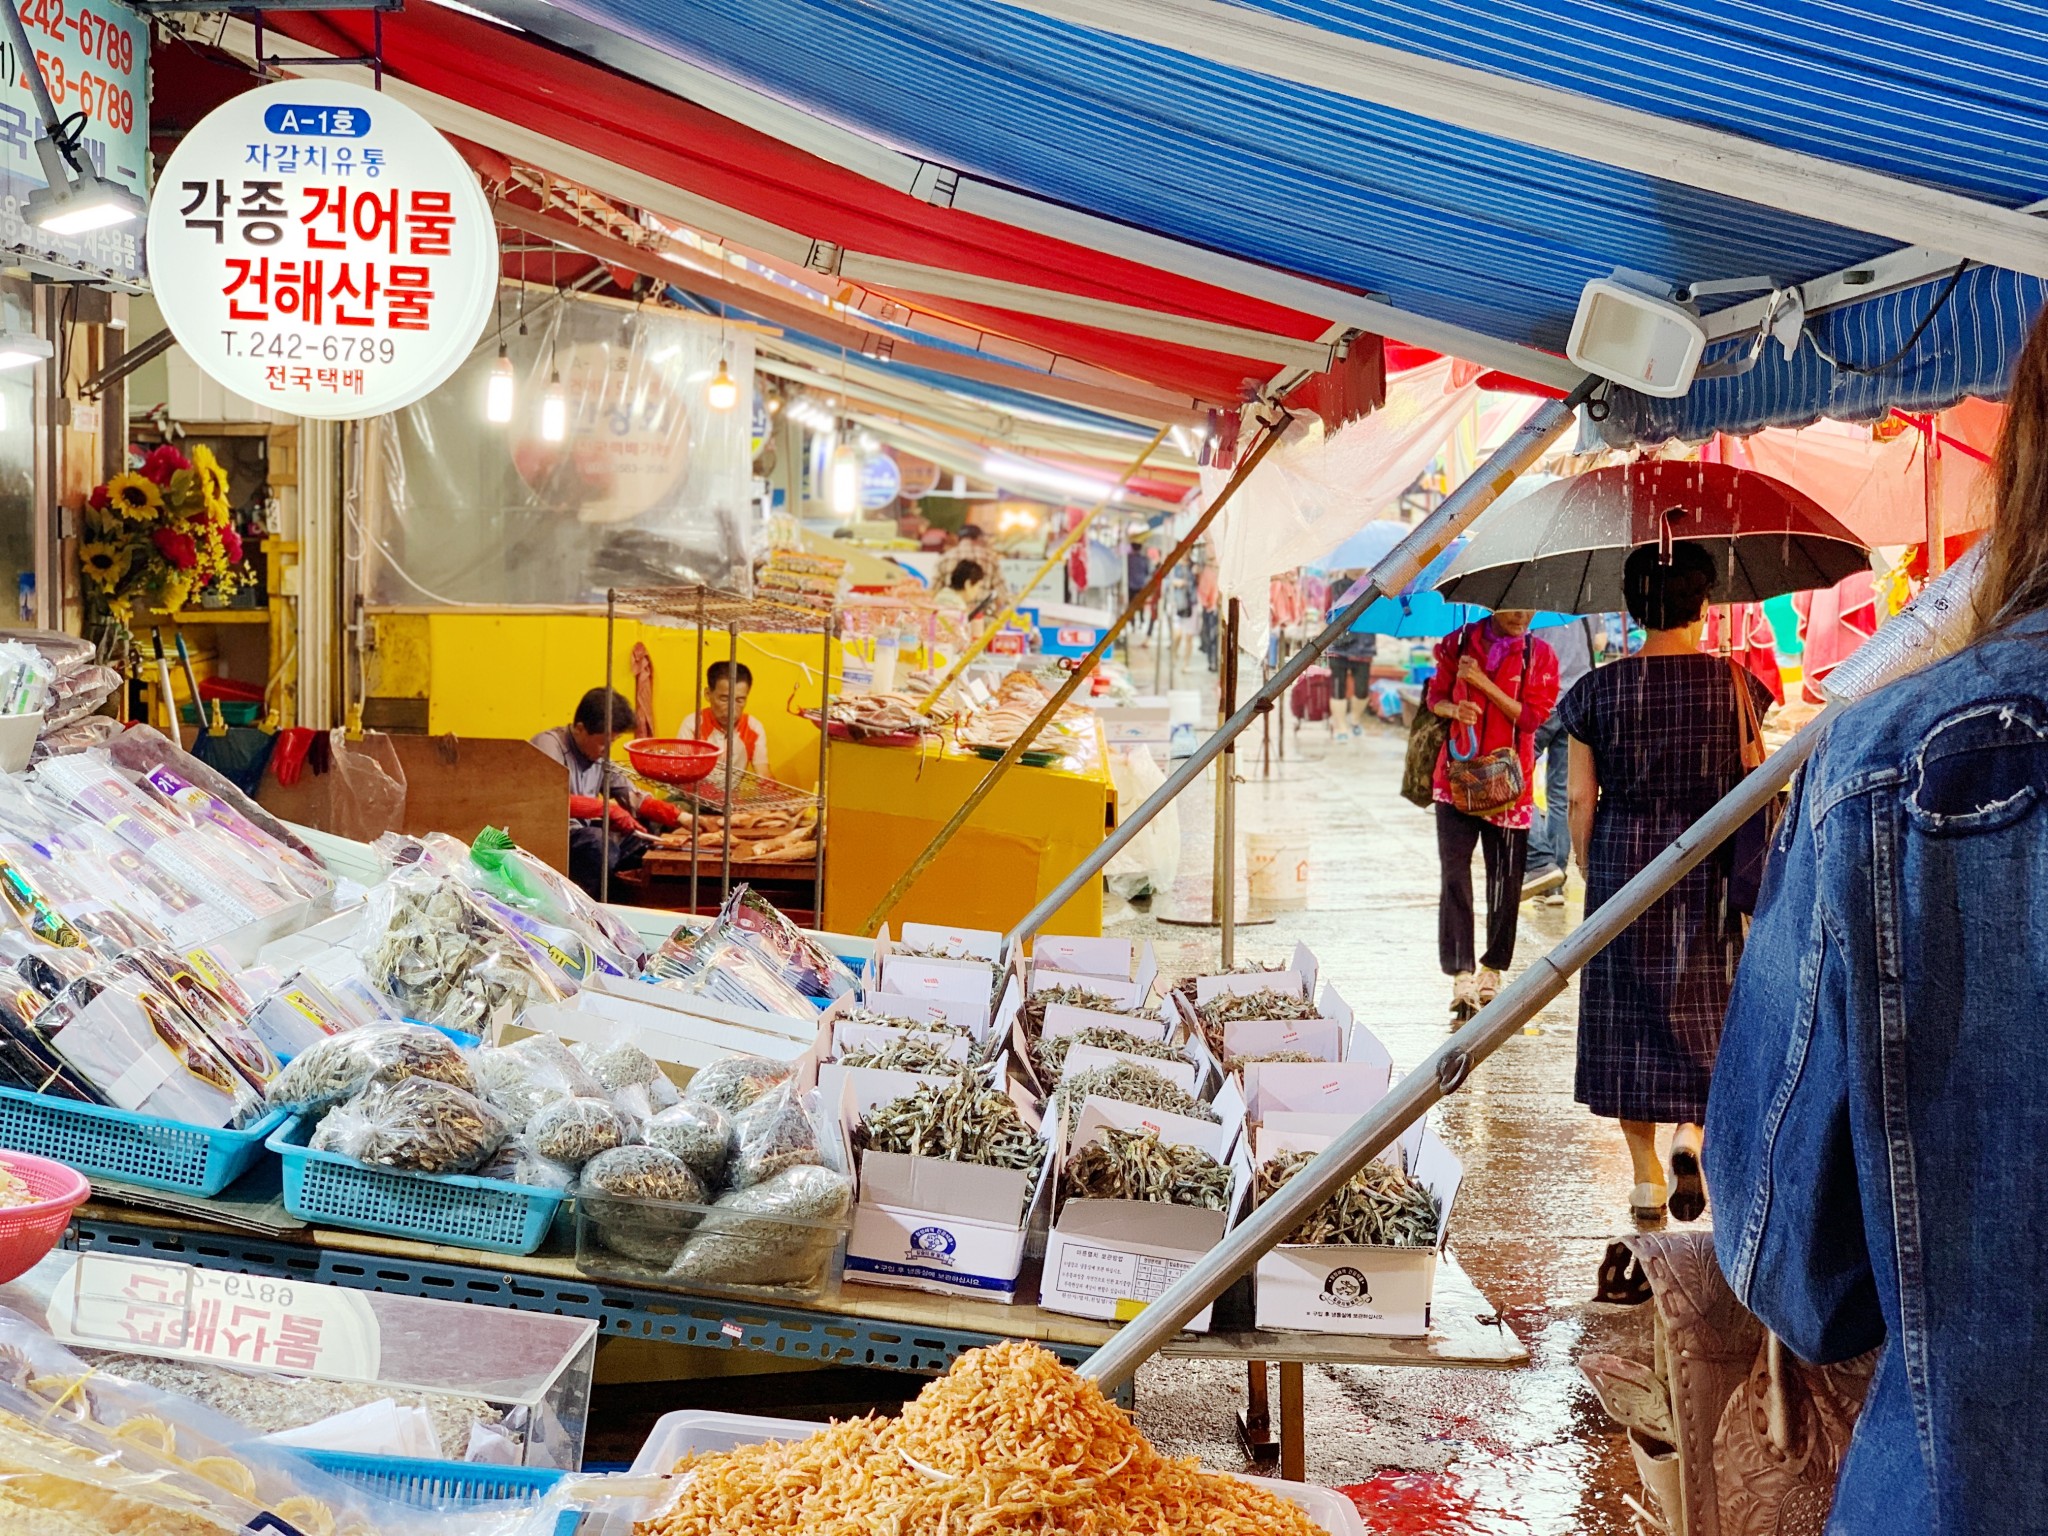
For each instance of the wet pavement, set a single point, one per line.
(1521, 1453)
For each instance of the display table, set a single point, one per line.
(862, 1325)
(883, 806)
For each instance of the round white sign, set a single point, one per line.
(321, 249)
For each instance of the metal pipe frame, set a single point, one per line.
(604, 771)
(732, 683)
(1932, 624)
(1401, 565)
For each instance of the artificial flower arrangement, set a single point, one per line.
(162, 534)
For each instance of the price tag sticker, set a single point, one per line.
(154, 1307)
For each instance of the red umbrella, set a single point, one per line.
(1562, 547)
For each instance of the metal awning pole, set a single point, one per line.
(1401, 566)
(1932, 624)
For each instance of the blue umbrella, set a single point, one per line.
(1365, 548)
(1418, 612)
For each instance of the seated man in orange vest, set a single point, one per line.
(726, 686)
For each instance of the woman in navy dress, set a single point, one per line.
(1657, 740)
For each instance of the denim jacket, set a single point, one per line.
(1877, 1134)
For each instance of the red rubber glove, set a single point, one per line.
(659, 813)
(622, 820)
(585, 807)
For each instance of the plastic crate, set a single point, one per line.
(135, 1149)
(677, 1435)
(330, 1190)
(442, 1485)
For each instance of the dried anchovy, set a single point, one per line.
(777, 1234)
(1052, 1049)
(700, 1134)
(573, 1131)
(963, 1121)
(1186, 985)
(1232, 1063)
(1238, 1007)
(777, 1133)
(651, 1233)
(1379, 1207)
(909, 1054)
(1032, 1013)
(1137, 1165)
(1128, 1083)
(734, 1082)
(903, 1021)
(419, 1123)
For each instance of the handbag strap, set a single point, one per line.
(1521, 692)
(1749, 726)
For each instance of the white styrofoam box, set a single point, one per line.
(676, 1435)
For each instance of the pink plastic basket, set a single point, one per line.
(27, 1232)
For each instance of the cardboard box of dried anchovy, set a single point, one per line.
(1138, 1196)
(1072, 1039)
(923, 1218)
(1401, 1202)
(932, 983)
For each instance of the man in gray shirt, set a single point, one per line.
(1577, 644)
(598, 787)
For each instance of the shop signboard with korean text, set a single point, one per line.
(95, 59)
(321, 249)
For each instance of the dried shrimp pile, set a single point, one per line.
(1137, 1165)
(1379, 1206)
(1008, 1441)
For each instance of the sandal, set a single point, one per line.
(1688, 1188)
(1646, 1202)
(1622, 1282)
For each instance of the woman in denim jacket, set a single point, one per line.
(1879, 1111)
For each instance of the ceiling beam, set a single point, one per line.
(1687, 154)
(839, 145)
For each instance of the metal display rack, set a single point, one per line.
(708, 609)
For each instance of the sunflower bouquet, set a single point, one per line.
(162, 534)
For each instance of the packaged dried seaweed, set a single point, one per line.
(798, 958)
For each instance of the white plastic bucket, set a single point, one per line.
(1276, 868)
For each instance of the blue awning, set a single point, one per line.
(1448, 224)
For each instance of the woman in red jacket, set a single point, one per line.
(1496, 683)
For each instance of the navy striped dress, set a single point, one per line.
(1667, 745)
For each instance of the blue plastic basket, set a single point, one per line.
(135, 1149)
(330, 1190)
(443, 1485)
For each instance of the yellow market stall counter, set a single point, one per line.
(883, 806)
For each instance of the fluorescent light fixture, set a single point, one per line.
(554, 411)
(845, 480)
(76, 202)
(21, 349)
(1024, 472)
(498, 391)
(723, 392)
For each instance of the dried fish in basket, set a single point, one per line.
(1379, 1206)
(1136, 1165)
(1240, 1007)
(1052, 1049)
(964, 1121)
(1128, 1083)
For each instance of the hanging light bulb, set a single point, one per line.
(498, 391)
(845, 479)
(554, 411)
(724, 391)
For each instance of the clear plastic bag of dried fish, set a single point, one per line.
(700, 1134)
(1121, 1164)
(963, 1120)
(573, 1130)
(340, 1066)
(1127, 1083)
(517, 1163)
(526, 1076)
(635, 1199)
(782, 1234)
(778, 1131)
(420, 1124)
(734, 1082)
(631, 1078)
(442, 960)
(1379, 1206)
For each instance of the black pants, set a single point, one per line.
(586, 854)
(1506, 850)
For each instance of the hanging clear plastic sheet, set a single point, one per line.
(647, 485)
